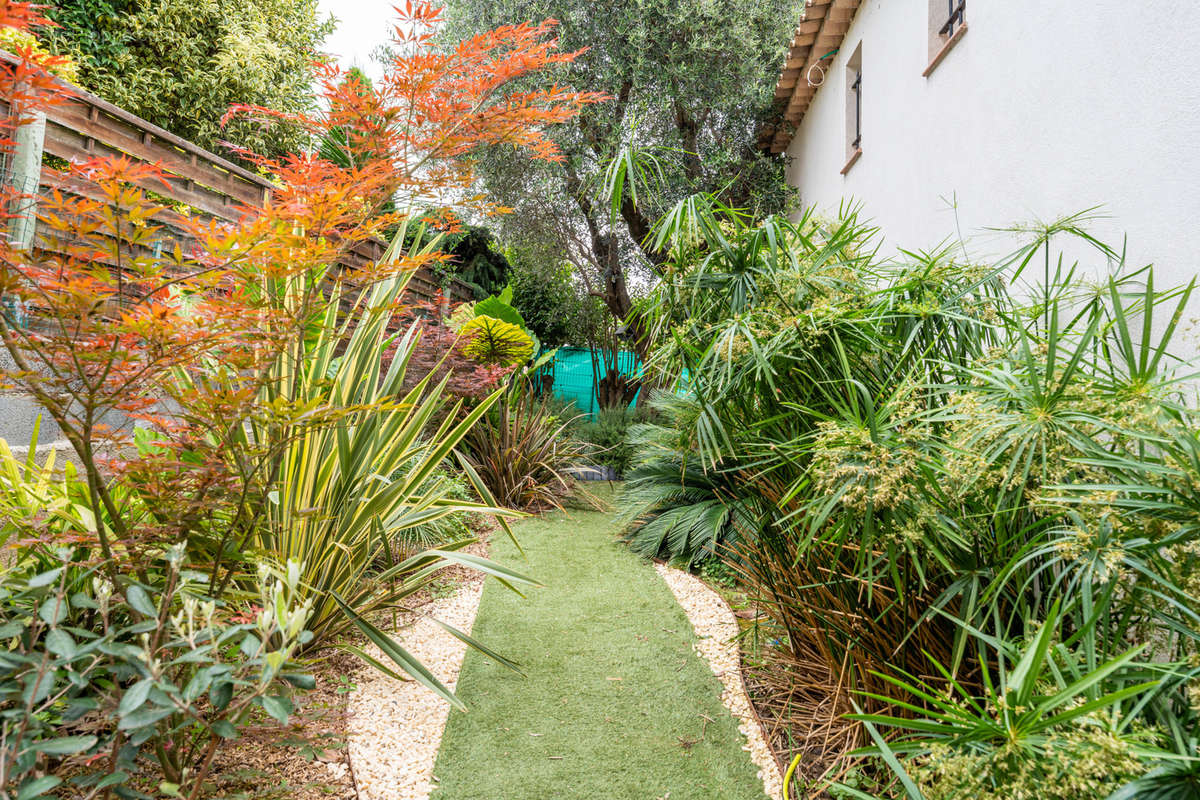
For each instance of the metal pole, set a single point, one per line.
(26, 178)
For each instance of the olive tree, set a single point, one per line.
(690, 82)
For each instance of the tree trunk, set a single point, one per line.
(615, 390)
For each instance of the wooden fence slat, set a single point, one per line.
(87, 126)
(142, 145)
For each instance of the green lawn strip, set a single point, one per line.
(614, 700)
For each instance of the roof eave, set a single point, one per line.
(820, 33)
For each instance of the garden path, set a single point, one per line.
(614, 704)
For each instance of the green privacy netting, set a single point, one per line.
(573, 378)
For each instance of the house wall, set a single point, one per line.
(1042, 109)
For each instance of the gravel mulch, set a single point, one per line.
(716, 633)
(395, 727)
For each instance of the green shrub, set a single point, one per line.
(608, 433)
(181, 65)
(715, 570)
(546, 293)
(96, 681)
(36, 502)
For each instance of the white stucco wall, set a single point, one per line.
(1044, 108)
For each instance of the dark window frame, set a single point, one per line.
(957, 10)
(856, 87)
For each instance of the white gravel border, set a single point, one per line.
(716, 634)
(396, 727)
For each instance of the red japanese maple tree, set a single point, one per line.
(126, 292)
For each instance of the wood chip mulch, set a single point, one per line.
(306, 760)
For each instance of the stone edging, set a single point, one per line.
(395, 728)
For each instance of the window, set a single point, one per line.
(854, 108)
(856, 87)
(947, 24)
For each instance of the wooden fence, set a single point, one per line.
(87, 126)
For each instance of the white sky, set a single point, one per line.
(363, 25)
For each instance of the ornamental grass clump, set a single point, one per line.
(523, 453)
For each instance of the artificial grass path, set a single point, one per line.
(615, 704)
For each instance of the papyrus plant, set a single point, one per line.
(912, 451)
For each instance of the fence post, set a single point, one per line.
(26, 178)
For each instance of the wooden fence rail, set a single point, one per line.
(87, 126)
